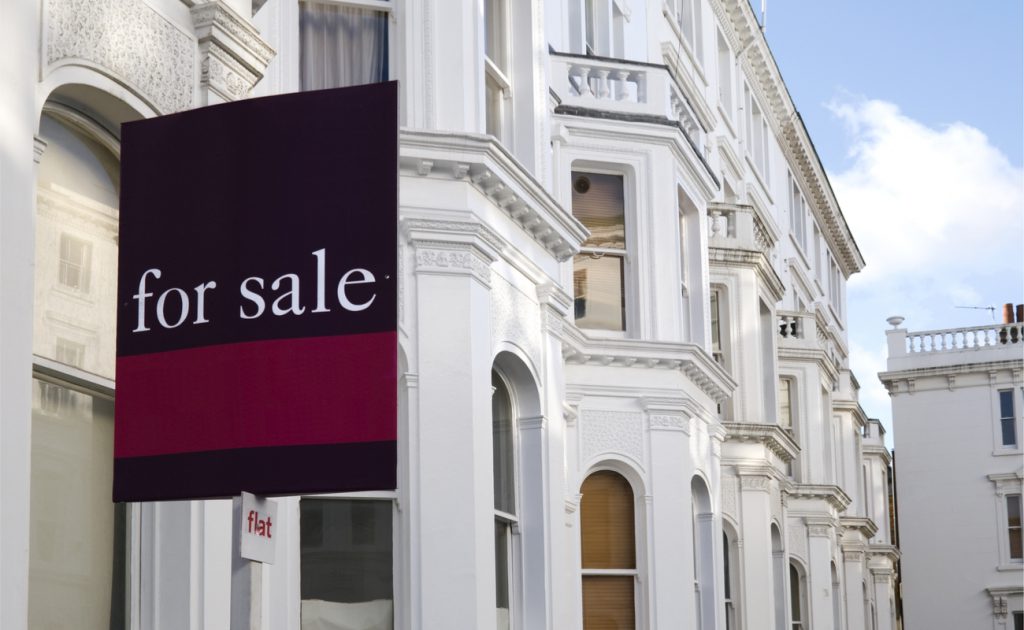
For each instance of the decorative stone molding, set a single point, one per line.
(607, 432)
(730, 492)
(776, 439)
(129, 41)
(455, 259)
(668, 423)
(757, 483)
(797, 540)
(1001, 598)
(556, 305)
(748, 259)
(516, 318)
(820, 530)
(853, 553)
(532, 424)
(691, 359)
(881, 576)
(830, 494)
(233, 55)
(499, 177)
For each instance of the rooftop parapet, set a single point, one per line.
(970, 344)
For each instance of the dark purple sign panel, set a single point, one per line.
(257, 308)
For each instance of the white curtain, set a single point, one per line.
(341, 45)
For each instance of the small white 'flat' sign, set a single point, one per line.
(259, 528)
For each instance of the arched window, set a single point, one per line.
(703, 555)
(77, 563)
(608, 552)
(778, 576)
(503, 441)
(797, 605)
(730, 566)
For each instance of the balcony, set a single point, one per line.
(798, 330)
(629, 90)
(972, 344)
(740, 227)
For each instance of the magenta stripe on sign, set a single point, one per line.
(285, 392)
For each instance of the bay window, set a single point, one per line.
(599, 285)
(497, 85)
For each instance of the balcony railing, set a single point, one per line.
(623, 87)
(964, 339)
(740, 227)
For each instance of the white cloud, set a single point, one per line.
(930, 208)
(938, 214)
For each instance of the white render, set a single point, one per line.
(953, 472)
(486, 266)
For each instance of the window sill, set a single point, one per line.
(1007, 451)
(1013, 566)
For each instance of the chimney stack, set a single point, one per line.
(1020, 313)
(1007, 313)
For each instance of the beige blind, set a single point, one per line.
(606, 513)
(608, 602)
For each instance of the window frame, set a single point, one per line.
(1013, 420)
(388, 7)
(639, 616)
(499, 74)
(1006, 485)
(798, 598)
(630, 297)
(511, 521)
(82, 267)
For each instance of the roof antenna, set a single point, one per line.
(991, 309)
(764, 15)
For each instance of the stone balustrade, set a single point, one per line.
(964, 339)
(797, 329)
(623, 87)
(739, 227)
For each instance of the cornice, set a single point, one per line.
(832, 494)
(888, 552)
(775, 438)
(809, 355)
(749, 259)
(945, 370)
(485, 164)
(880, 451)
(756, 58)
(691, 359)
(859, 524)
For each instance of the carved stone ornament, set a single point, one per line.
(759, 483)
(729, 492)
(612, 432)
(515, 318)
(127, 39)
(234, 56)
(820, 531)
(466, 261)
(668, 422)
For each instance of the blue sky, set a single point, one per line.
(917, 111)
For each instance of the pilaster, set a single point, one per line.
(882, 579)
(232, 55)
(454, 356)
(758, 596)
(819, 573)
(853, 569)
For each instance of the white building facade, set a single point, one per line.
(625, 399)
(956, 407)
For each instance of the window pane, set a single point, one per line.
(794, 595)
(1009, 432)
(494, 32)
(608, 602)
(504, 466)
(599, 292)
(1006, 404)
(785, 408)
(606, 514)
(341, 45)
(76, 536)
(598, 203)
(501, 573)
(495, 95)
(346, 563)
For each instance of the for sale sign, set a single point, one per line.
(257, 311)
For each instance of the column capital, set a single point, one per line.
(233, 56)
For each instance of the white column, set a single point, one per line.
(19, 30)
(883, 597)
(755, 513)
(671, 595)
(454, 523)
(819, 576)
(853, 566)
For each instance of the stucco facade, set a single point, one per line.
(956, 407)
(711, 392)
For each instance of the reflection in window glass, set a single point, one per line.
(346, 564)
(600, 294)
(77, 536)
(1007, 419)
